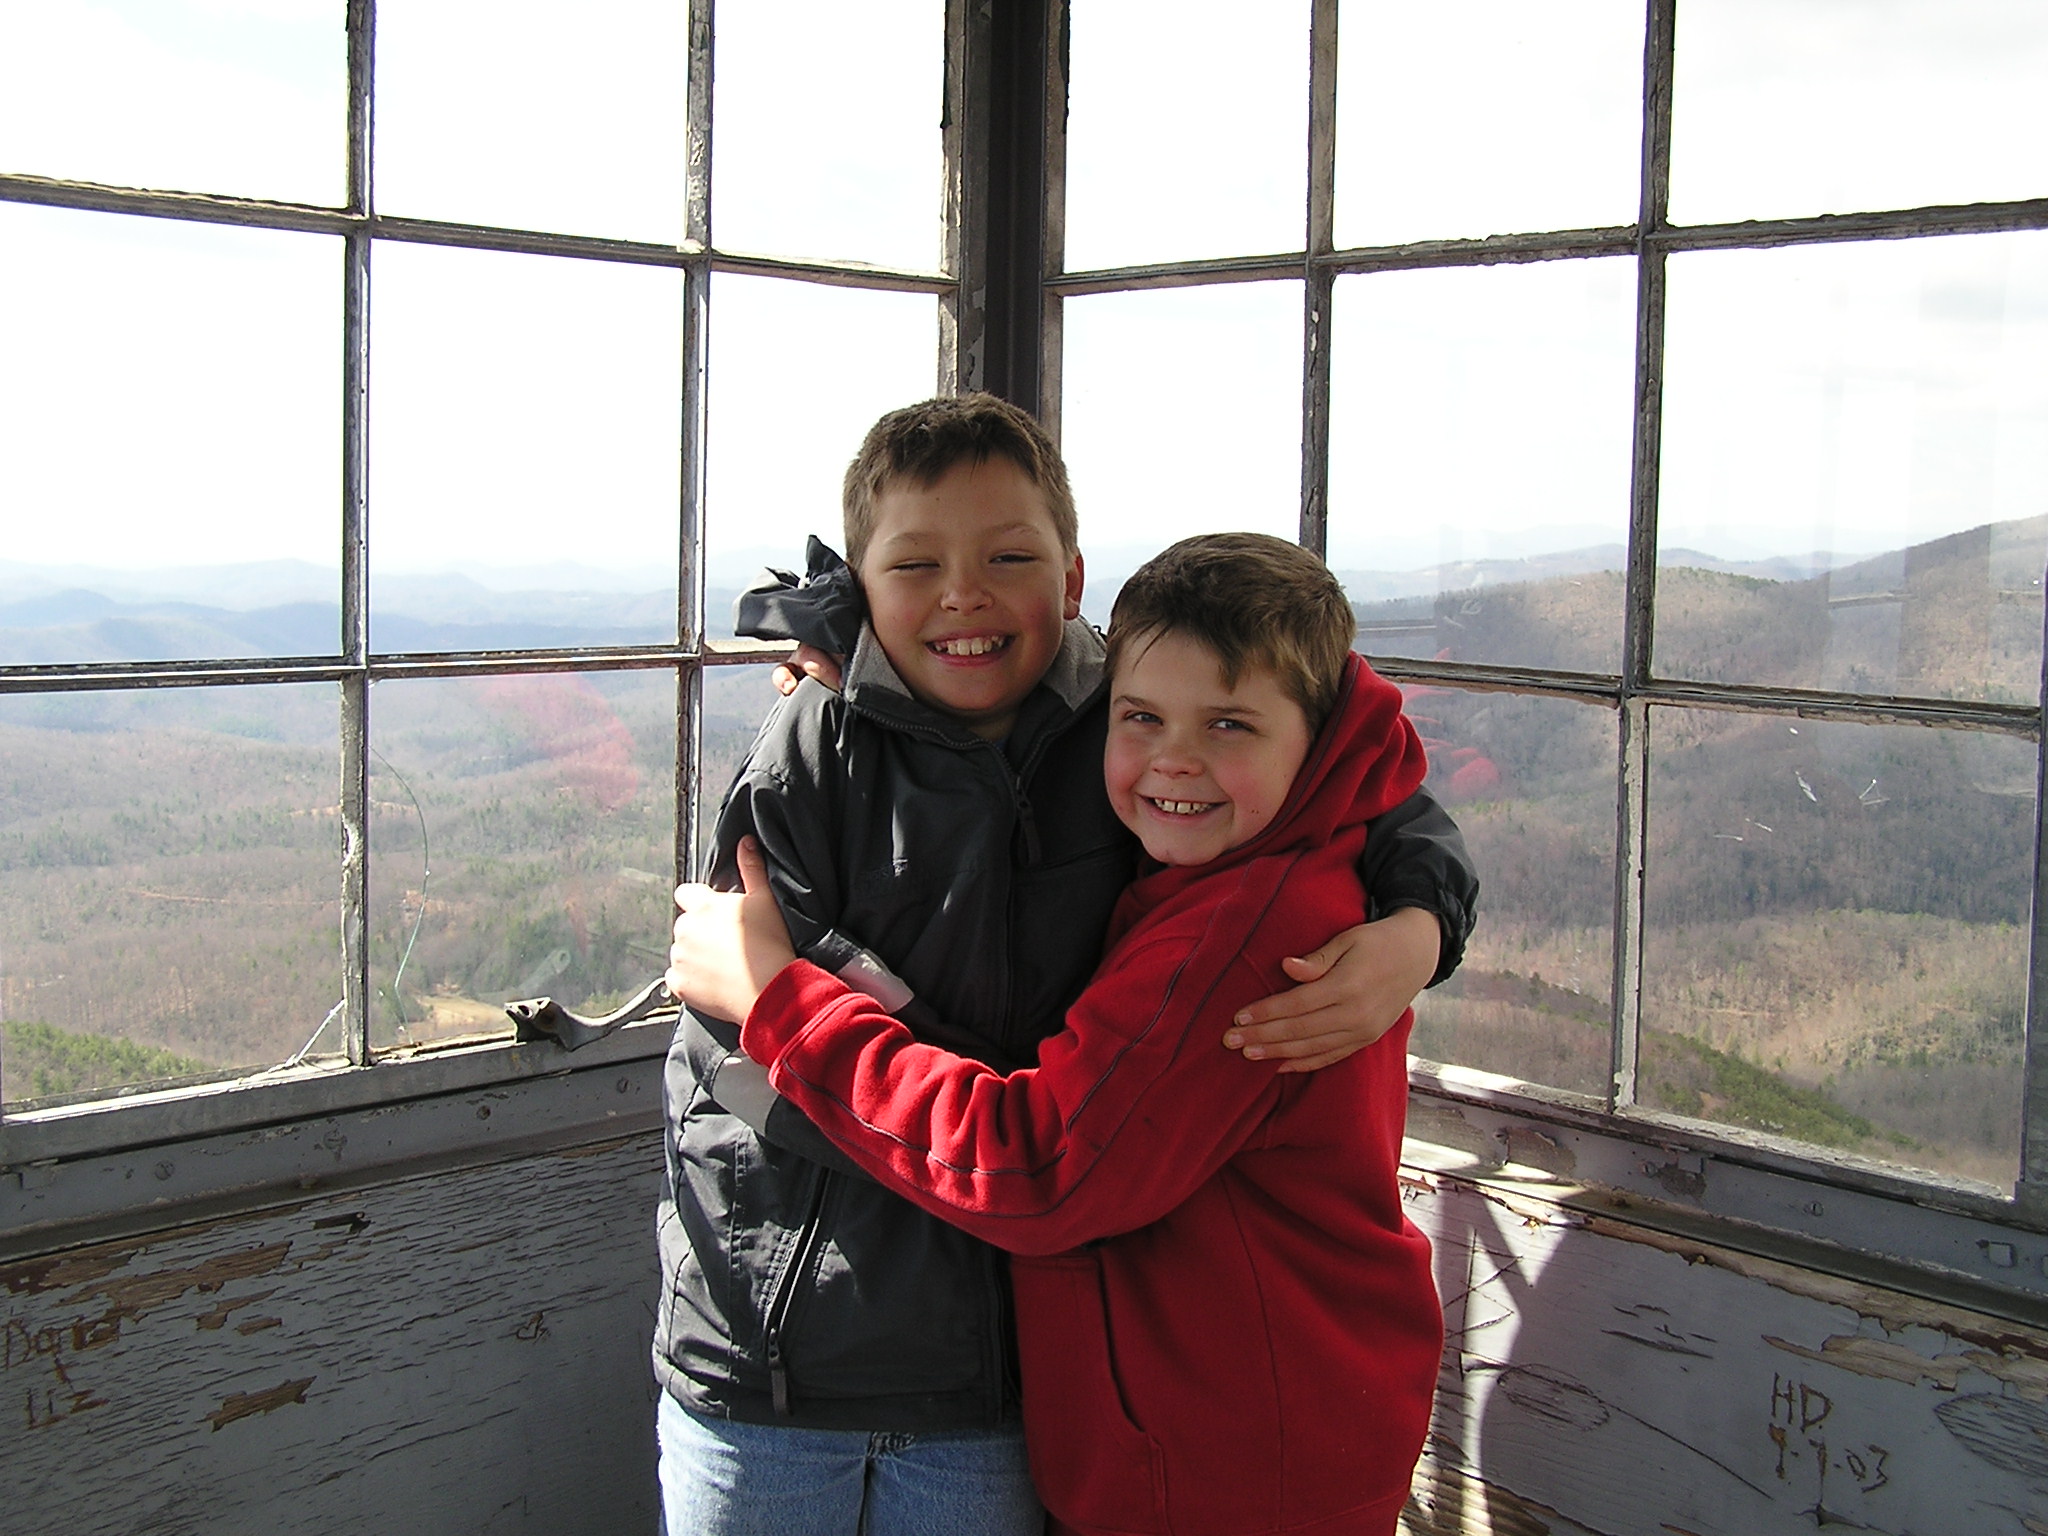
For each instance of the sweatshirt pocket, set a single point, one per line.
(1092, 1464)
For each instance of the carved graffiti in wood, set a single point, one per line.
(47, 1402)
(1798, 1429)
(108, 1299)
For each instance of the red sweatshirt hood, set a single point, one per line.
(1365, 761)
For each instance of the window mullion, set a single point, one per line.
(700, 67)
(355, 562)
(1049, 93)
(701, 72)
(690, 544)
(2032, 1192)
(963, 308)
(1318, 278)
(1631, 834)
(1632, 784)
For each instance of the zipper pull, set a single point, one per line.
(778, 1375)
(1027, 826)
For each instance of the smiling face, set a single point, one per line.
(969, 588)
(1193, 765)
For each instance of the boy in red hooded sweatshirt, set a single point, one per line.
(1225, 1321)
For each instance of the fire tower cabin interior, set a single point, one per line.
(395, 393)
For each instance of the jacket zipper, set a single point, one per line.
(785, 1293)
(1027, 824)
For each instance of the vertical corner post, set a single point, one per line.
(998, 134)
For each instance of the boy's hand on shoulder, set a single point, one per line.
(728, 945)
(1349, 993)
(808, 661)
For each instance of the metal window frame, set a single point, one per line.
(1946, 1232)
(35, 1145)
(1001, 290)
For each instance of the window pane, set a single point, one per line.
(1783, 109)
(521, 845)
(1545, 132)
(170, 443)
(1836, 934)
(1186, 137)
(1531, 782)
(165, 93)
(1180, 414)
(1479, 460)
(169, 884)
(525, 443)
(1855, 441)
(534, 115)
(827, 131)
(799, 372)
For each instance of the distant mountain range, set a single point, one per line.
(60, 614)
(289, 608)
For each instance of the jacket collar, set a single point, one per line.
(872, 685)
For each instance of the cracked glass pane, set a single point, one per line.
(521, 845)
(1835, 934)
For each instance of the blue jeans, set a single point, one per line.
(723, 1478)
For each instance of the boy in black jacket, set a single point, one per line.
(833, 1360)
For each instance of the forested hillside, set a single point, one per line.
(1835, 916)
(170, 862)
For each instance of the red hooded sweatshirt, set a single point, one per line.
(1226, 1324)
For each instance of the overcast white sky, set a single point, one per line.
(169, 391)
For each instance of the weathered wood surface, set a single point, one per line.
(460, 1353)
(1604, 1378)
(466, 1352)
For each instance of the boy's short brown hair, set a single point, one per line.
(919, 443)
(1256, 601)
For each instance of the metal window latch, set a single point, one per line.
(542, 1018)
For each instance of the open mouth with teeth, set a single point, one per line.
(969, 646)
(1181, 807)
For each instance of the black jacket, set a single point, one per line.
(794, 1289)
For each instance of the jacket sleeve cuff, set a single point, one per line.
(1415, 857)
(785, 1009)
(1451, 928)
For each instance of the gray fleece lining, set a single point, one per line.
(1075, 672)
